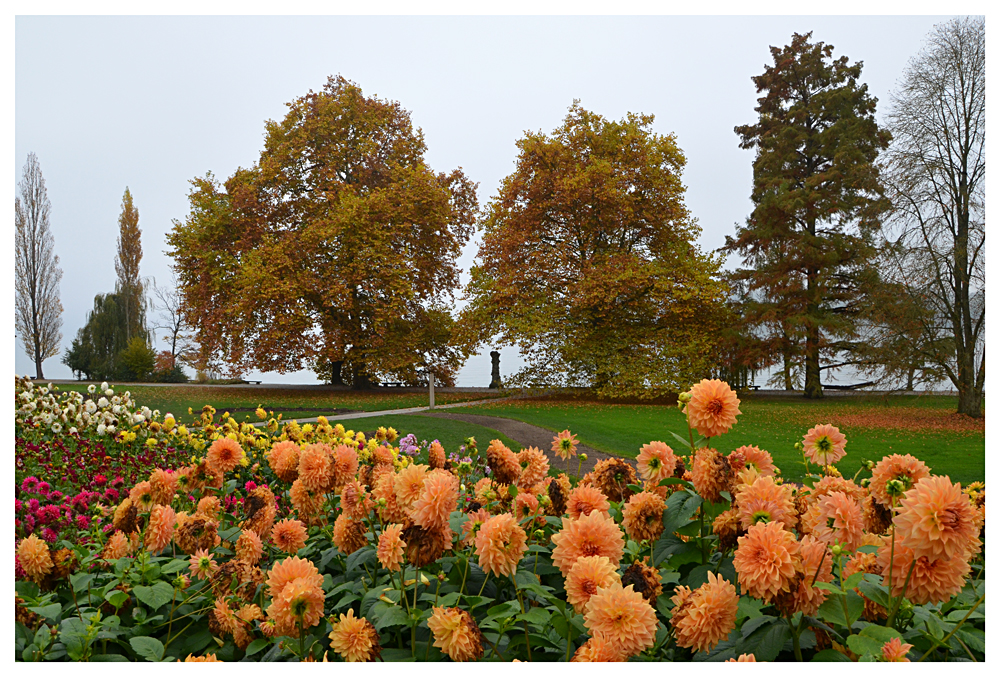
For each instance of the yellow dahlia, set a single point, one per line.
(500, 544)
(593, 534)
(824, 444)
(584, 578)
(622, 617)
(456, 634)
(656, 461)
(390, 547)
(355, 639)
(713, 407)
(704, 617)
(642, 516)
(937, 521)
(766, 560)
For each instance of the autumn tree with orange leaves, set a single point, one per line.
(588, 263)
(337, 250)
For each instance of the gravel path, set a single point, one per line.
(528, 435)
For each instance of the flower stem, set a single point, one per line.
(895, 607)
(527, 639)
(484, 584)
(944, 642)
(795, 638)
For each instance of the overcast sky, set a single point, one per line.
(152, 102)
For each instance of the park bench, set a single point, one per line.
(250, 382)
(853, 386)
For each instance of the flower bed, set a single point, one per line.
(310, 542)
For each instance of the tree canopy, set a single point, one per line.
(808, 246)
(337, 250)
(588, 262)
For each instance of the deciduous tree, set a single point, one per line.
(37, 310)
(817, 198)
(338, 246)
(936, 174)
(129, 286)
(588, 262)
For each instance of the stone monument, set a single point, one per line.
(495, 376)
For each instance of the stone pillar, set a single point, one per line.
(495, 376)
(430, 384)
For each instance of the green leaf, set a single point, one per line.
(456, 520)
(50, 611)
(766, 642)
(828, 587)
(748, 607)
(872, 549)
(853, 580)
(512, 491)
(832, 610)
(875, 592)
(674, 480)
(686, 443)
(80, 581)
(697, 576)
(156, 595)
(360, 558)
(504, 610)
(830, 656)
(390, 617)
(174, 566)
(110, 658)
(880, 633)
(149, 648)
(535, 616)
(862, 645)
(257, 645)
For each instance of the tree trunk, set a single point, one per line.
(336, 378)
(787, 366)
(970, 402)
(361, 379)
(909, 378)
(38, 368)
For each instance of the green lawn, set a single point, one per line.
(450, 433)
(292, 403)
(775, 425)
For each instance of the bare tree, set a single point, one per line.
(935, 171)
(37, 310)
(170, 319)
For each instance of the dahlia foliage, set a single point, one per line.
(286, 542)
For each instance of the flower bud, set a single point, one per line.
(583, 457)
(798, 446)
(539, 533)
(684, 397)
(836, 550)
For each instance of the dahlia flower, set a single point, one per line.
(249, 547)
(500, 544)
(348, 534)
(824, 444)
(937, 521)
(314, 467)
(906, 469)
(534, 466)
(34, 557)
(593, 534)
(931, 581)
(584, 500)
(564, 444)
(584, 578)
(390, 547)
(838, 519)
(409, 484)
(711, 474)
(656, 461)
(355, 639)
(224, 455)
(766, 560)
(597, 650)
(642, 516)
(456, 634)
(438, 498)
(289, 536)
(765, 501)
(160, 531)
(894, 651)
(704, 617)
(713, 407)
(203, 565)
(613, 477)
(622, 617)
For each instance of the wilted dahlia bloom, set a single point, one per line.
(765, 501)
(704, 617)
(289, 536)
(815, 564)
(656, 461)
(584, 500)
(224, 455)
(593, 534)
(196, 532)
(597, 650)
(33, 554)
(824, 444)
(587, 575)
(390, 547)
(622, 617)
(249, 547)
(355, 639)
(905, 469)
(456, 634)
(644, 579)
(931, 581)
(558, 492)
(348, 534)
(503, 462)
(642, 516)
(766, 560)
(936, 520)
(728, 527)
(259, 512)
(534, 467)
(564, 444)
(613, 477)
(500, 544)
(711, 474)
(423, 546)
(713, 407)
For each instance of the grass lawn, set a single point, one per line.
(292, 403)
(875, 427)
(450, 433)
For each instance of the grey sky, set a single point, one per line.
(151, 102)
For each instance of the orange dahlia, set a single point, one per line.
(473, 521)
(756, 458)
(838, 519)
(225, 616)
(343, 466)
(160, 531)
(500, 544)
(534, 467)
(584, 578)
(816, 564)
(937, 521)
(289, 535)
(728, 527)
(766, 560)
(456, 634)
(564, 444)
(704, 617)
(207, 658)
(224, 455)
(525, 506)
(711, 474)
(117, 546)
(348, 534)
(824, 444)
(33, 553)
(299, 605)
(931, 581)
(307, 502)
(385, 489)
(249, 547)
(642, 516)
(593, 534)
(289, 569)
(355, 639)
(904, 468)
(744, 658)
(584, 500)
(209, 507)
(314, 467)
(409, 483)
(713, 407)
(203, 566)
(622, 617)
(142, 496)
(163, 486)
(894, 651)
(438, 498)
(354, 501)
(656, 461)
(284, 460)
(503, 462)
(435, 455)
(597, 650)
(390, 547)
(765, 501)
